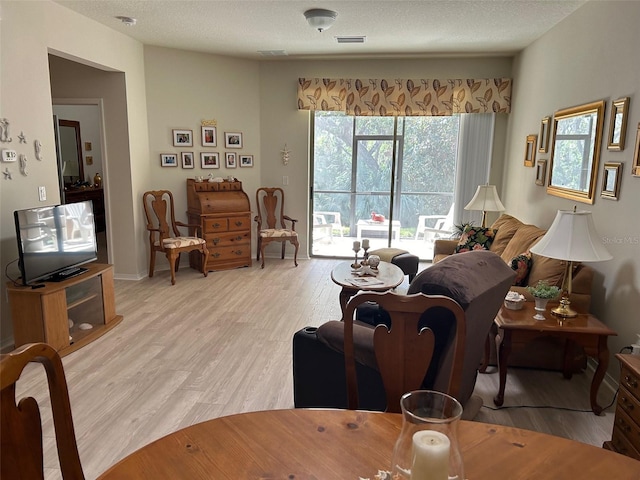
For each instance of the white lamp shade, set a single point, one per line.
(572, 237)
(486, 199)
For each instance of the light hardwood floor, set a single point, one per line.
(215, 346)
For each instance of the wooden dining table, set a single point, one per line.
(350, 444)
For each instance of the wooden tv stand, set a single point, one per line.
(43, 314)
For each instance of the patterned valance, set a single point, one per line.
(380, 97)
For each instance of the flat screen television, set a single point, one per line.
(54, 241)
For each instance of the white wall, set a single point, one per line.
(30, 31)
(592, 55)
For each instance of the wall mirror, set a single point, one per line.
(575, 151)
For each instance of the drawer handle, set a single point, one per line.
(216, 225)
(626, 404)
(239, 223)
(216, 241)
(239, 237)
(624, 426)
(632, 382)
(238, 252)
(216, 255)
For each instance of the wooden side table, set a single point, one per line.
(389, 275)
(519, 326)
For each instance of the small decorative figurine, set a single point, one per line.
(7, 174)
(285, 154)
(37, 145)
(23, 164)
(4, 130)
(22, 138)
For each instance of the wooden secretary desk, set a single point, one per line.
(223, 211)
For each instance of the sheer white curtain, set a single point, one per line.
(475, 147)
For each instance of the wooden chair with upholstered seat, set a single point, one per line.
(21, 427)
(164, 235)
(271, 222)
(404, 352)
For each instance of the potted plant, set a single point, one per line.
(542, 292)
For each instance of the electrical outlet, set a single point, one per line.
(42, 194)
(635, 348)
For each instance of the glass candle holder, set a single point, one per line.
(427, 448)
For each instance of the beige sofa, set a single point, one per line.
(511, 239)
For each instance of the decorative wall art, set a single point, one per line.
(611, 180)
(209, 136)
(635, 170)
(530, 151)
(168, 160)
(541, 172)
(573, 169)
(187, 159)
(544, 135)
(230, 160)
(286, 155)
(246, 160)
(618, 124)
(233, 139)
(182, 138)
(210, 160)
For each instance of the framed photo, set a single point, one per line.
(611, 180)
(618, 124)
(187, 159)
(233, 139)
(544, 135)
(246, 160)
(209, 137)
(230, 159)
(168, 159)
(209, 159)
(541, 172)
(635, 169)
(530, 151)
(182, 138)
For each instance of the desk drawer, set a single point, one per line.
(622, 445)
(629, 404)
(215, 240)
(212, 225)
(231, 252)
(630, 381)
(239, 223)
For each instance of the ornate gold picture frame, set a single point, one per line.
(530, 151)
(544, 135)
(635, 169)
(541, 172)
(611, 180)
(618, 124)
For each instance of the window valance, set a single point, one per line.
(405, 97)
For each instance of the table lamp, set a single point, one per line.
(485, 200)
(572, 237)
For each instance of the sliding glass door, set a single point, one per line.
(376, 177)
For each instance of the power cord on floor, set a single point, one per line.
(567, 409)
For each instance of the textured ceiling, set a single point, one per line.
(243, 28)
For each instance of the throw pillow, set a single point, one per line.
(475, 238)
(521, 264)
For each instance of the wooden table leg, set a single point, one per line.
(503, 350)
(598, 375)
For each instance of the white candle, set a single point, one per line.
(356, 246)
(365, 243)
(430, 456)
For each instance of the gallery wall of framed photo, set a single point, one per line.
(208, 138)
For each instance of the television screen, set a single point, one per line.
(53, 241)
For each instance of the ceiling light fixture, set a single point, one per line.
(128, 21)
(320, 19)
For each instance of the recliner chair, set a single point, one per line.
(477, 280)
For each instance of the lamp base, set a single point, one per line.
(564, 309)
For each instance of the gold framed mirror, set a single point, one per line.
(575, 151)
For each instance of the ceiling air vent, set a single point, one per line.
(351, 39)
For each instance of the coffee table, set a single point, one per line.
(370, 225)
(519, 326)
(389, 276)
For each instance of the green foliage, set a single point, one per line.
(543, 290)
(426, 164)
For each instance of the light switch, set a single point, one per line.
(42, 193)
(285, 180)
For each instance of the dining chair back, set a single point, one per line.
(164, 235)
(404, 352)
(21, 427)
(271, 222)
